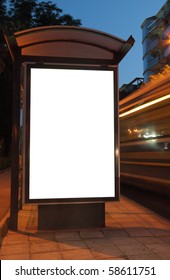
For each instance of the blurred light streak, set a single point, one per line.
(145, 105)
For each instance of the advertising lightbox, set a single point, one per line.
(71, 135)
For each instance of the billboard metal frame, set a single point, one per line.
(26, 198)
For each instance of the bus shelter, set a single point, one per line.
(65, 124)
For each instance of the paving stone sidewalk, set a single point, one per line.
(132, 232)
(5, 185)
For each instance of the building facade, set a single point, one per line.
(156, 41)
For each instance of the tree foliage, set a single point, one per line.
(23, 14)
(45, 13)
(17, 16)
(2, 10)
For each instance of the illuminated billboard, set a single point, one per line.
(71, 135)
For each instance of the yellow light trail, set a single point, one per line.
(145, 105)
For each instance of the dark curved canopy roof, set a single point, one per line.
(68, 42)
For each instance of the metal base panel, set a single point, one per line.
(68, 216)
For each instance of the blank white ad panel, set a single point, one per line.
(71, 134)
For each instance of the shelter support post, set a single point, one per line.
(15, 144)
